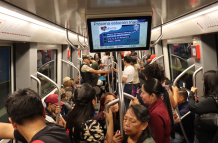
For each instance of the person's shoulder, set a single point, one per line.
(52, 133)
(149, 140)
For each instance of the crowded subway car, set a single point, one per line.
(108, 71)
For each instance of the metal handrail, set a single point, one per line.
(185, 115)
(68, 40)
(174, 84)
(128, 96)
(120, 89)
(155, 59)
(116, 101)
(194, 76)
(179, 76)
(112, 74)
(59, 93)
(161, 31)
(46, 64)
(85, 43)
(39, 82)
(107, 108)
(79, 41)
(178, 57)
(70, 63)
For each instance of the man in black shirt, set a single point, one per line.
(27, 116)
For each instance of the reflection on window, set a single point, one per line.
(180, 59)
(5, 79)
(47, 65)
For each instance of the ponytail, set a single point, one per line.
(166, 101)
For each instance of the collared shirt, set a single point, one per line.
(160, 121)
(136, 75)
(85, 68)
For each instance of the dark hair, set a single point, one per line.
(210, 83)
(128, 59)
(107, 53)
(100, 114)
(182, 92)
(24, 105)
(154, 70)
(142, 114)
(133, 54)
(82, 112)
(152, 85)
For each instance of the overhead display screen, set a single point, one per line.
(119, 34)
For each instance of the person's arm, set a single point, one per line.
(110, 129)
(208, 105)
(174, 97)
(124, 79)
(98, 71)
(157, 128)
(6, 131)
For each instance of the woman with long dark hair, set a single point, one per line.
(156, 96)
(80, 121)
(136, 126)
(105, 99)
(205, 106)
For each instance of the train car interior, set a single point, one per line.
(46, 43)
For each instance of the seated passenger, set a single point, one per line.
(52, 109)
(80, 121)
(188, 121)
(26, 114)
(154, 95)
(105, 99)
(136, 126)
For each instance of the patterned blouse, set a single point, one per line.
(93, 132)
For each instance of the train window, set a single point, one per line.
(5, 79)
(180, 59)
(47, 65)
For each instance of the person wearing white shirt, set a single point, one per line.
(106, 60)
(127, 78)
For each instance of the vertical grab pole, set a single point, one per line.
(194, 77)
(174, 84)
(59, 93)
(108, 79)
(112, 65)
(120, 89)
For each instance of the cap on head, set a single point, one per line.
(53, 98)
(153, 56)
(66, 79)
(86, 57)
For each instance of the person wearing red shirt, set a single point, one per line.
(153, 94)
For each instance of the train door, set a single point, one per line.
(6, 86)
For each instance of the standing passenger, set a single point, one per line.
(208, 105)
(135, 82)
(106, 60)
(86, 71)
(128, 76)
(154, 95)
(27, 116)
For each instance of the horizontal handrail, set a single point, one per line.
(185, 115)
(40, 85)
(59, 93)
(179, 76)
(128, 96)
(70, 63)
(45, 64)
(85, 43)
(155, 59)
(178, 57)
